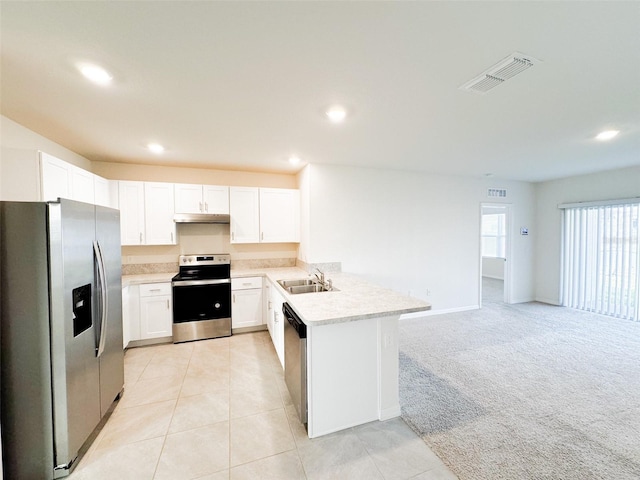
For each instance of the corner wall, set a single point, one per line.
(15, 136)
(615, 184)
(413, 232)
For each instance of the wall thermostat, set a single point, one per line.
(524, 231)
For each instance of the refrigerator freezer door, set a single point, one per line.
(74, 365)
(27, 424)
(112, 357)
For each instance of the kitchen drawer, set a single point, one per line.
(155, 289)
(246, 283)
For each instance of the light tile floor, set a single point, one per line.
(219, 409)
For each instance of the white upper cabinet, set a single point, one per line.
(82, 185)
(105, 191)
(146, 213)
(244, 209)
(55, 176)
(188, 198)
(191, 198)
(216, 199)
(60, 179)
(279, 215)
(264, 215)
(160, 229)
(131, 201)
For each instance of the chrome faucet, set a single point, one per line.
(320, 277)
(327, 284)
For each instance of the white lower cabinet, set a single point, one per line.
(126, 317)
(147, 313)
(155, 310)
(246, 302)
(275, 319)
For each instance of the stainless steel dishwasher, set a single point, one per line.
(295, 360)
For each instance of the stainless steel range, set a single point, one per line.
(202, 298)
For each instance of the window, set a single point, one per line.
(601, 259)
(493, 234)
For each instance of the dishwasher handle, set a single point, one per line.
(293, 320)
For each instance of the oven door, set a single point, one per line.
(197, 301)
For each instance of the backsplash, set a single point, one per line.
(326, 267)
(168, 267)
(142, 268)
(263, 263)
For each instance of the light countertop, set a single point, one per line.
(139, 279)
(356, 298)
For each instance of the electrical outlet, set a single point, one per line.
(428, 292)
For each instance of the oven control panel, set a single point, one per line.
(205, 259)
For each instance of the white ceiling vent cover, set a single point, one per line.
(499, 73)
(497, 192)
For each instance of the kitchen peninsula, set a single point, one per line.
(352, 348)
(352, 345)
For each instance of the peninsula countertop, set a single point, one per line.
(354, 298)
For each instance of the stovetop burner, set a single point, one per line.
(201, 267)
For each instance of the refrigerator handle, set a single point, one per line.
(103, 298)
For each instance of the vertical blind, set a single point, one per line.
(601, 259)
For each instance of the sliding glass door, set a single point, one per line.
(601, 259)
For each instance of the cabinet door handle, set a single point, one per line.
(269, 303)
(233, 235)
(141, 237)
(206, 207)
(155, 290)
(167, 304)
(261, 235)
(234, 298)
(171, 237)
(200, 206)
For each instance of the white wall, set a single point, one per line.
(615, 184)
(19, 160)
(413, 232)
(15, 136)
(304, 179)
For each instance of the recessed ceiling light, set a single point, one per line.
(155, 148)
(293, 160)
(95, 73)
(336, 114)
(607, 135)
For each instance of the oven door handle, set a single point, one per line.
(189, 283)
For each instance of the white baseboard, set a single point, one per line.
(522, 300)
(548, 301)
(429, 313)
(388, 413)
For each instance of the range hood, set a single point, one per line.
(201, 218)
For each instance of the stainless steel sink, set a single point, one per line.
(305, 285)
(296, 283)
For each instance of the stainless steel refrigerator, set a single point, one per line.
(61, 352)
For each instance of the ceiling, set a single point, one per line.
(244, 85)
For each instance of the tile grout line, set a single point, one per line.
(229, 408)
(164, 440)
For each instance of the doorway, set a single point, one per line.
(495, 249)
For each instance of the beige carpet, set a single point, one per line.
(527, 391)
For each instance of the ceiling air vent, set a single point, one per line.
(497, 192)
(499, 73)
